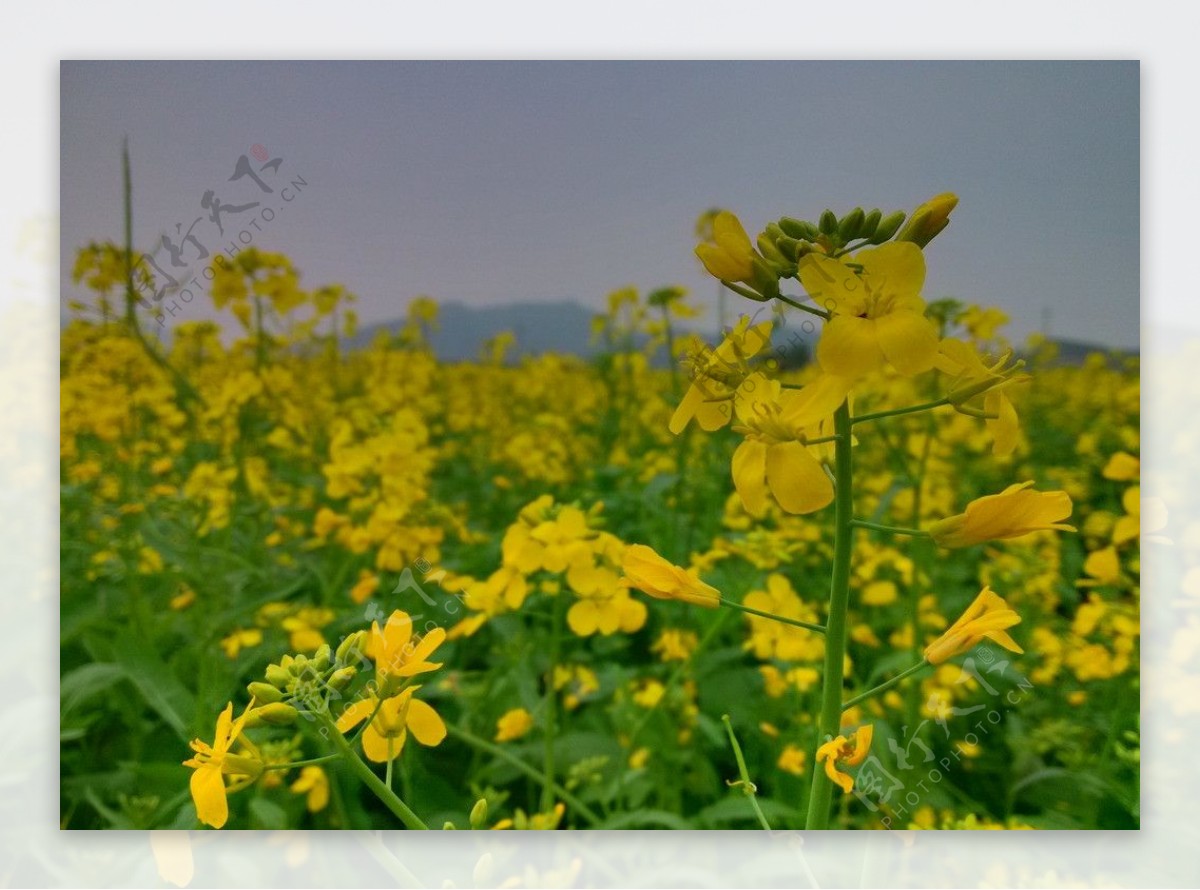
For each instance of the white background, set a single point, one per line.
(35, 36)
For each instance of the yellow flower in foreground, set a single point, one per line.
(650, 573)
(384, 738)
(213, 762)
(513, 724)
(774, 458)
(845, 751)
(1014, 512)
(988, 617)
(878, 314)
(395, 653)
(730, 256)
(716, 374)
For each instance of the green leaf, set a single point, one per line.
(79, 685)
(157, 684)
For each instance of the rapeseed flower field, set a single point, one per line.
(859, 563)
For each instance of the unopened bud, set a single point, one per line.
(828, 223)
(352, 647)
(798, 228)
(870, 224)
(321, 659)
(277, 714)
(929, 219)
(888, 226)
(479, 814)
(278, 676)
(266, 693)
(851, 225)
(341, 678)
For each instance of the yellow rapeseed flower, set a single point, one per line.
(774, 459)
(1014, 512)
(513, 725)
(213, 762)
(850, 752)
(878, 314)
(314, 785)
(384, 738)
(717, 374)
(650, 573)
(988, 616)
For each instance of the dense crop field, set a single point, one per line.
(378, 588)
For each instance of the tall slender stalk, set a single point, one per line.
(835, 625)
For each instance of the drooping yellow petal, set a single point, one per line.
(208, 793)
(849, 347)
(908, 340)
(582, 618)
(749, 469)
(356, 713)
(796, 478)
(426, 725)
(376, 745)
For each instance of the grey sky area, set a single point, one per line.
(494, 182)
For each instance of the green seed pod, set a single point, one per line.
(851, 224)
(828, 223)
(265, 692)
(888, 226)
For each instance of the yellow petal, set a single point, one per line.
(375, 745)
(908, 340)
(796, 478)
(832, 285)
(896, 269)
(426, 725)
(750, 475)
(582, 618)
(355, 714)
(208, 793)
(849, 347)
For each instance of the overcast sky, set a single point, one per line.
(495, 182)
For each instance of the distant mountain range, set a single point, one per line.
(538, 327)
(564, 326)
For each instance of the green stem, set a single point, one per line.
(748, 787)
(496, 751)
(296, 763)
(398, 807)
(893, 529)
(551, 706)
(835, 627)
(897, 412)
(811, 310)
(792, 621)
(884, 687)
